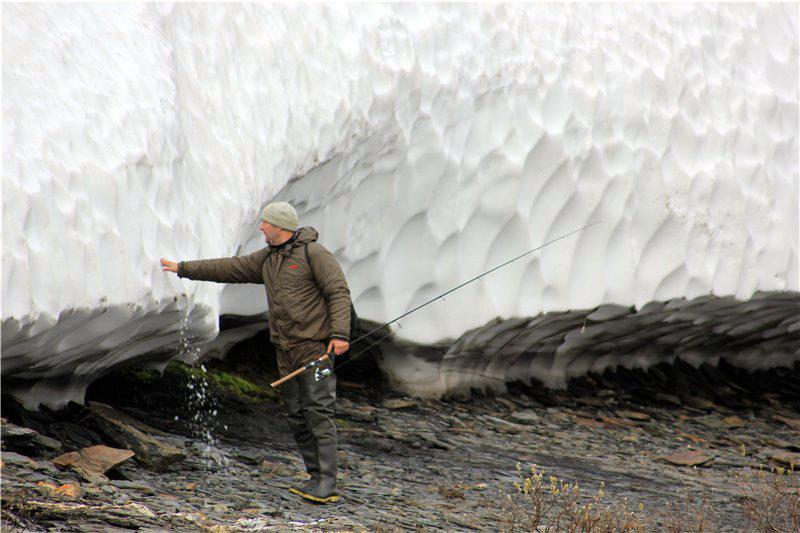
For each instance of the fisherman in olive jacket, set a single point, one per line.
(309, 315)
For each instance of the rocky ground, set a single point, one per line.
(405, 464)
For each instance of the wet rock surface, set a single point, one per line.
(405, 464)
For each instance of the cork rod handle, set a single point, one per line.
(297, 372)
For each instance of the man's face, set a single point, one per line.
(271, 233)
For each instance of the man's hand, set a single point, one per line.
(169, 266)
(338, 346)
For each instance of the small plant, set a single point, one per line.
(690, 511)
(770, 504)
(553, 505)
(771, 498)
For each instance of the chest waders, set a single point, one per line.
(310, 415)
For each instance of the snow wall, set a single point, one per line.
(426, 144)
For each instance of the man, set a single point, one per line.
(309, 314)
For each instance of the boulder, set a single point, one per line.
(127, 432)
(23, 439)
(93, 462)
(786, 459)
(526, 416)
(792, 422)
(13, 458)
(689, 458)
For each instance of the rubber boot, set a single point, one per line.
(325, 489)
(319, 398)
(308, 449)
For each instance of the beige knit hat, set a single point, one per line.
(281, 214)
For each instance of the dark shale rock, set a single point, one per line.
(395, 462)
(13, 458)
(26, 440)
(15, 437)
(129, 433)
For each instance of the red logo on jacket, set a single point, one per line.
(293, 267)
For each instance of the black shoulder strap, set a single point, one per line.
(308, 260)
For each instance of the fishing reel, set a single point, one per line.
(321, 373)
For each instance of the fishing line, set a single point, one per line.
(442, 296)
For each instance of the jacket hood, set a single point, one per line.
(306, 235)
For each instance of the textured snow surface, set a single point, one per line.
(426, 144)
(761, 333)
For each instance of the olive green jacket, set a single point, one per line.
(304, 304)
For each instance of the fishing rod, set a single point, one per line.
(322, 373)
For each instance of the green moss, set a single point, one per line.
(179, 369)
(239, 386)
(226, 382)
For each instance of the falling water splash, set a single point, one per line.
(201, 401)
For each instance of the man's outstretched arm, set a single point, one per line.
(243, 269)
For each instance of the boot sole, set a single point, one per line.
(317, 499)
